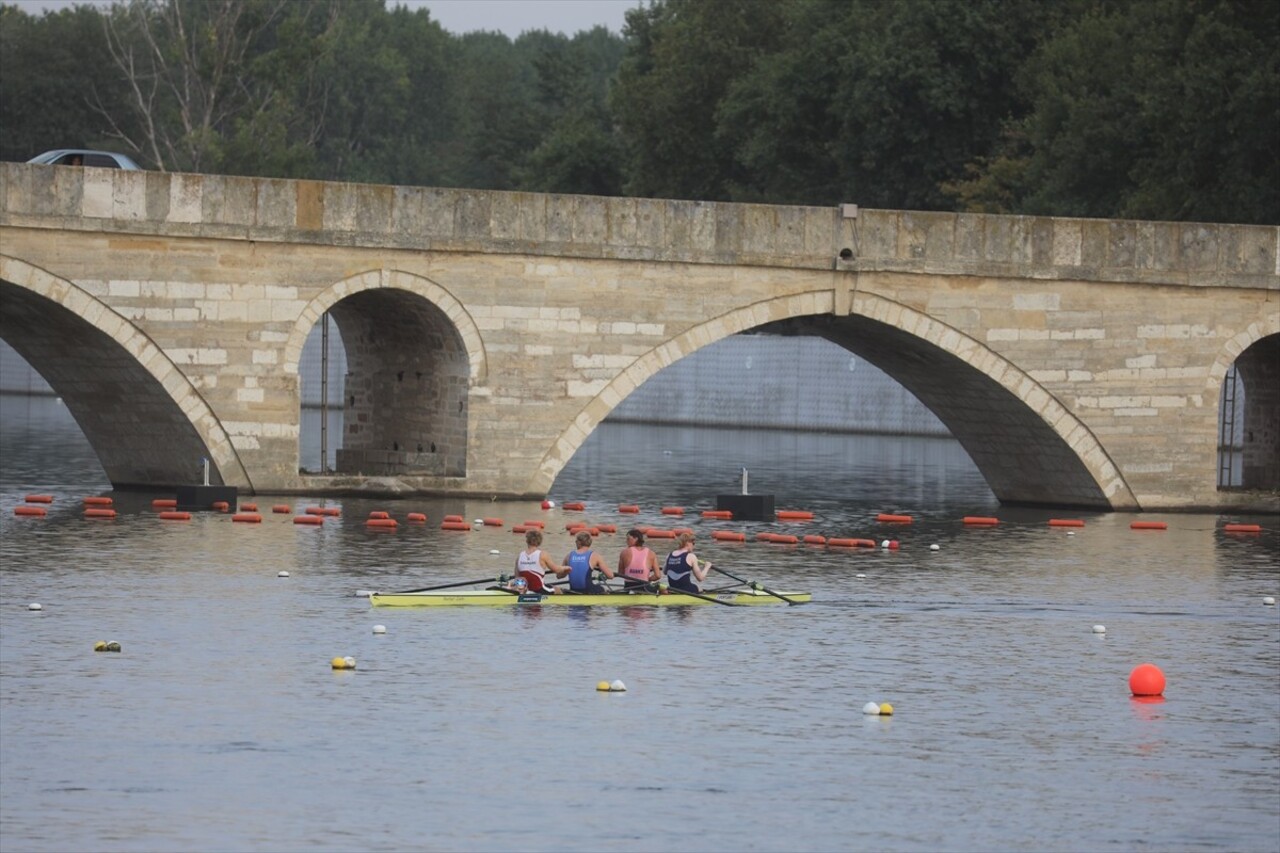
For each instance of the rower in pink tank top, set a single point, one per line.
(637, 564)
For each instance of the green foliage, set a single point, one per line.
(1164, 109)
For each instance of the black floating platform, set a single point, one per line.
(747, 507)
(204, 497)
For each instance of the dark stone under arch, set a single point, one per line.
(405, 394)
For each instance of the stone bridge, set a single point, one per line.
(1079, 362)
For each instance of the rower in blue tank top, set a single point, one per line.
(683, 568)
(581, 562)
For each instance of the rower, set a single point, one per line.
(683, 568)
(637, 564)
(532, 564)
(580, 562)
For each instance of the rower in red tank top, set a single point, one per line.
(532, 564)
(637, 564)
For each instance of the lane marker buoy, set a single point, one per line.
(282, 574)
(871, 708)
(35, 606)
(1099, 629)
(1146, 680)
(379, 629)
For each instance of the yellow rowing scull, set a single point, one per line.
(503, 598)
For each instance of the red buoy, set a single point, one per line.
(1146, 680)
(33, 511)
(416, 516)
(280, 508)
(628, 508)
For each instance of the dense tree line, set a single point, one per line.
(1157, 109)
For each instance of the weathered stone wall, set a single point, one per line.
(1089, 354)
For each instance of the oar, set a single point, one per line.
(449, 585)
(754, 585)
(675, 591)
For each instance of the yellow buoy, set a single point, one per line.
(100, 646)
(603, 686)
(886, 710)
(339, 663)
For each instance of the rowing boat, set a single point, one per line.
(501, 598)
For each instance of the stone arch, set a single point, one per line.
(1104, 485)
(452, 308)
(163, 449)
(414, 354)
(1255, 351)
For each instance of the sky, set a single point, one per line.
(511, 17)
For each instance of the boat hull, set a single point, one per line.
(501, 598)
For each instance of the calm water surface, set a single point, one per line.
(221, 726)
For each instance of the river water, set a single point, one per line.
(222, 726)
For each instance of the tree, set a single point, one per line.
(50, 76)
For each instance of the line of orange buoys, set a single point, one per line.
(37, 506)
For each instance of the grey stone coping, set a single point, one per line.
(459, 220)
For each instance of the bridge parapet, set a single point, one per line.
(493, 222)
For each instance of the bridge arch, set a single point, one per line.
(1034, 441)
(413, 355)
(147, 422)
(1255, 353)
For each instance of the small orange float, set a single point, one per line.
(1065, 522)
(454, 525)
(32, 511)
(794, 515)
(574, 505)
(97, 501)
(381, 523)
(720, 514)
(164, 503)
(416, 516)
(175, 515)
(1148, 525)
(99, 512)
(1242, 528)
(628, 508)
(980, 520)
(247, 518)
(281, 508)
(728, 536)
(309, 518)
(815, 540)
(39, 499)
(890, 518)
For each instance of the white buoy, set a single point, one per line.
(618, 687)
(1071, 533)
(494, 551)
(363, 593)
(36, 606)
(1099, 629)
(1267, 600)
(934, 548)
(282, 574)
(350, 662)
(379, 629)
(477, 521)
(871, 708)
(551, 504)
(859, 576)
(884, 544)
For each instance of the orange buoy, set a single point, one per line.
(794, 515)
(1065, 522)
(1243, 528)
(720, 514)
(39, 499)
(608, 528)
(765, 536)
(728, 536)
(655, 533)
(221, 506)
(538, 524)
(381, 523)
(784, 539)
(815, 540)
(99, 501)
(416, 516)
(280, 508)
(32, 511)
(520, 528)
(631, 508)
(574, 526)
(247, 518)
(379, 513)
(672, 510)
(164, 503)
(452, 518)
(248, 507)
(175, 515)
(575, 505)
(99, 512)
(1148, 525)
(980, 520)
(1146, 680)
(493, 522)
(330, 511)
(851, 543)
(309, 518)
(893, 519)
(454, 525)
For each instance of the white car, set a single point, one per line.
(85, 157)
